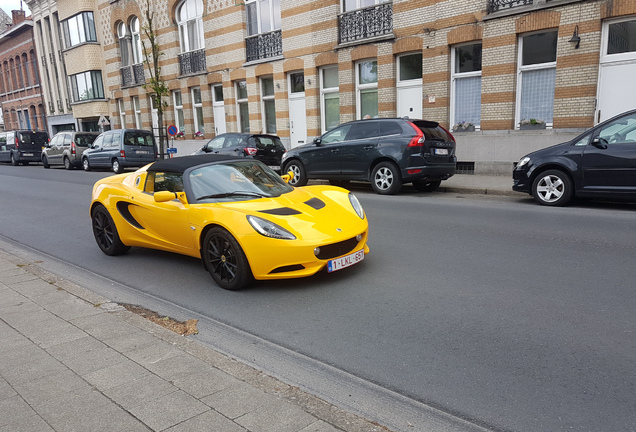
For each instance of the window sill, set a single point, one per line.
(383, 38)
(265, 60)
(518, 10)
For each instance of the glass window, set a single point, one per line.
(537, 76)
(621, 37)
(197, 106)
(410, 67)
(269, 106)
(178, 111)
(164, 181)
(122, 113)
(349, 5)
(137, 108)
(367, 89)
(621, 130)
(363, 130)
(336, 135)
(466, 85)
(190, 21)
(137, 53)
(263, 16)
(243, 107)
(329, 98)
(124, 49)
(87, 85)
(79, 29)
(218, 93)
(297, 82)
(390, 128)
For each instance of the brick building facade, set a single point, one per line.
(20, 90)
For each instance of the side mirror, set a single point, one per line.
(317, 141)
(287, 177)
(600, 142)
(165, 196)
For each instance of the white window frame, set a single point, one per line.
(124, 47)
(274, 15)
(136, 49)
(521, 68)
(190, 12)
(199, 125)
(178, 107)
(359, 5)
(361, 87)
(324, 91)
(459, 75)
(609, 58)
(264, 99)
(137, 109)
(238, 105)
(122, 113)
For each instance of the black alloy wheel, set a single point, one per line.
(426, 185)
(296, 167)
(225, 260)
(386, 178)
(105, 232)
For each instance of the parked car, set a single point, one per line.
(22, 146)
(265, 148)
(119, 149)
(387, 152)
(240, 217)
(66, 148)
(601, 162)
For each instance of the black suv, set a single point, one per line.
(387, 152)
(266, 148)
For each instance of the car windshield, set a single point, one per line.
(138, 139)
(265, 142)
(37, 138)
(235, 181)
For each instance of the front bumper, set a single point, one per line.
(521, 182)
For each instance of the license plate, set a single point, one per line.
(275, 168)
(441, 152)
(142, 152)
(345, 261)
(27, 154)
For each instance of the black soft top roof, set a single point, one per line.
(180, 164)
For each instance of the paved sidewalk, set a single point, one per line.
(480, 184)
(72, 361)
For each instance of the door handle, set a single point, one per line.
(335, 151)
(368, 147)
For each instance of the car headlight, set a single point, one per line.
(356, 205)
(269, 229)
(524, 160)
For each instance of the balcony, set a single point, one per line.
(192, 62)
(132, 75)
(263, 46)
(499, 5)
(366, 23)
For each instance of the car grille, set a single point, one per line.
(337, 249)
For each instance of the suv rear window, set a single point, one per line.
(263, 142)
(432, 131)
(37, 138)
(138, 139)
(84, 140)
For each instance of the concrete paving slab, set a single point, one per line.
(10, 298)
(30, 424)
(69, 404)
(319, 426)
(204, 383)
(238, 400)
(140, 392)
(277, 416)
(174, 366)
(24, 365)
(151, 354)
(32, 287)
(118, 374)
(202, 423)
(6, 391)
(10, 337)
(132, 341)
(103, 326)
(68, 307)
(169, 410)
(14, 410)
(86, 355)
(41, 391)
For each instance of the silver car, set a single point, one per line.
(66, 148)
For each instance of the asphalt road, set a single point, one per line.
(497, 312)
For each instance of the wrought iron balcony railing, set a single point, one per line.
(366, 23)
(132, 75)
(497, 5)
(264, 46)
(192, 62)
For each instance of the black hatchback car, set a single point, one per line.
(599, 163)
(387, 152)
(266, 148)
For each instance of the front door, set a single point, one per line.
(218, 109)
(297, 114)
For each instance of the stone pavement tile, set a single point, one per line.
(238, 400)
(33, 287)
(50, 331)
(204, 383)
(131, 341)
(51, 297)
(169, 410)
(115, 375)
(14, 410)
(11, 337)
(27, 363)
(279, 416)
(69, 307)
(95, 415)
(173, 366)
(29, 424)
(6, 391)
(86, 355)
(10, 298)
(320, 426)
(140, 391)
(104, 326)
(12, 277)
(151, 354)
(209, 420)
(67, 403)
(41, 391)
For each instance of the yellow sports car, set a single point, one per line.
(241, 218)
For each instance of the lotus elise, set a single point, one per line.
(237, 215)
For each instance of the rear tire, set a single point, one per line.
(552, 188)
(67, 163)
(14, 162)
(225, 260)
(105, 232)
(86, 164)
(300, 177)
(386, 178)
(426, 185)
(45, 162)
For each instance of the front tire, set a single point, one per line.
(106, 234)
(225, 260)
(45, 162)
(67, 163)
(14, 162)
(426, 185)
(300, 177)
(552, 188)
(117, 168)
(86, 164)
(386, 178)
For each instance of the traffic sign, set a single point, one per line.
(103, 121)
(172, 130)
(172, 150)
